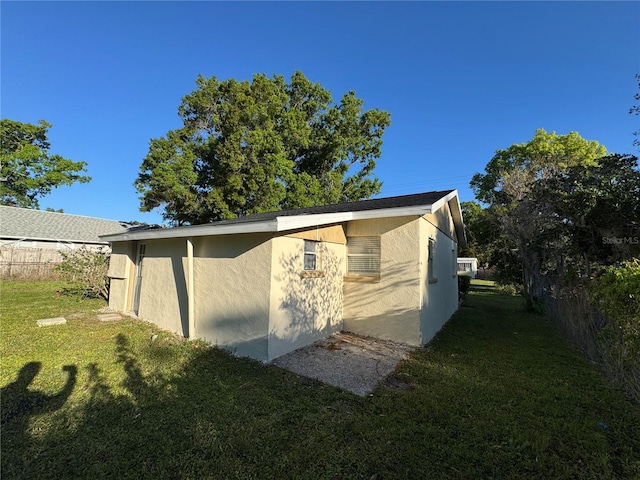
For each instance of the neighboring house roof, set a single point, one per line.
(28, 224)
(416, 204)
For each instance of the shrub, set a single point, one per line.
(87, 269)
(464, 283)
(508, 289)
(616, 294)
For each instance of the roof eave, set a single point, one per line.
(279, 224)
(194, 231)
(61, 240)
(456, 212)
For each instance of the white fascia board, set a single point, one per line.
(304, 221)
(194, 231)
(448, 197)
(279, 224)
(456, 213)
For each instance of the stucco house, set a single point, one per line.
(266, 284)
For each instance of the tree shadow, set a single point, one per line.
(309, 302)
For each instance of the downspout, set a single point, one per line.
(190, 290)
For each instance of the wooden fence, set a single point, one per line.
(16, 262)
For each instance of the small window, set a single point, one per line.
(431, 261)
(363, 255)
(310, 255)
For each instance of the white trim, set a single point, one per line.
(292, 222)
(194, 231)
(49, 239)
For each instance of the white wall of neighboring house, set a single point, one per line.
(467, 266)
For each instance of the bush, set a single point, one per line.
(508, 289)
(87, 269)
(464, 283)
(617, 294)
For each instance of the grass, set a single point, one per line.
(497, 394)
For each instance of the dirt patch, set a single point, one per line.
(348, 361)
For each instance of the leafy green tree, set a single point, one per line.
(478, 227)
(488, 242)
(251, 147)
(593, 212)
(28, 171)
(506, 187)
(511, 171)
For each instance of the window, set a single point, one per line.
(464, 267)
(431, 261)
(363, 255)
(310, 255)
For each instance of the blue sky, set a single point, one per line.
(460, 79)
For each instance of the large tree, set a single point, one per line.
(250, 147)
(507, 186)
(28, 171)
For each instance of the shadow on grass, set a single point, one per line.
(496, 395)
(217, 416)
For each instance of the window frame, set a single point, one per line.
(308, 254)
(374, 243)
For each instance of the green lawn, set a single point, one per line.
(497, 394)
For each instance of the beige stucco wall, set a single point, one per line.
(439, 299)
(232, 292)
(388, 308)
(120, 274)
(305, 306)
(328, 233)
(163, 295)
(443, 220)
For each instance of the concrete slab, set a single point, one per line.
(45, 322)
(109, 317)
(347, 361)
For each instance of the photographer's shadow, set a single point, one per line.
(19, 403)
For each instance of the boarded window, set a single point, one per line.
(310, 255)
(363, 255)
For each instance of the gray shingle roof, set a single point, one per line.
(25, 223)
(426, 198)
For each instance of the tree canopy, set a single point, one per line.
(28, 171)
(509, 173)
(251, 147)
(556, 199)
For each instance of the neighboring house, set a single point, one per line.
(468, 266)
(31, 240)
(266, 284)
